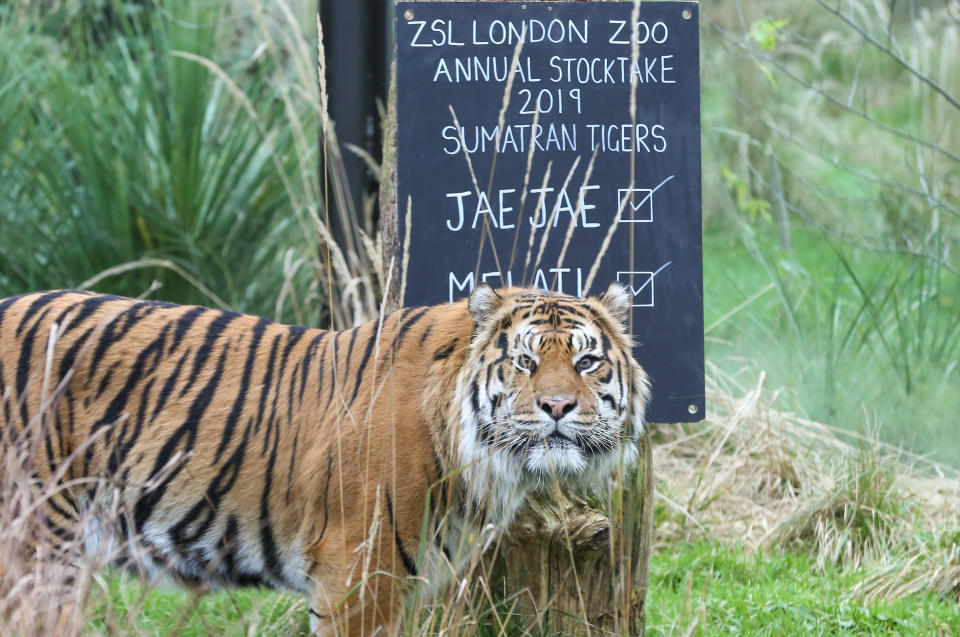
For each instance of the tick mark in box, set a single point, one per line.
(639, 205)
(640, 285)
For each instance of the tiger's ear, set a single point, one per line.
(617, 301)
(484, 301)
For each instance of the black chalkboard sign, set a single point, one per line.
(565, 185)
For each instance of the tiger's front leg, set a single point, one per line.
(353, 595)
(354, 618)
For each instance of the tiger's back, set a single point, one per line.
(224, 431)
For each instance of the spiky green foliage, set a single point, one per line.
(134, 143)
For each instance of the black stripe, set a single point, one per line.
(4, 400)
(227, 548)
(296, 436)
(184, 323)
(444, 352)
(363, 364)
(320, 367)
(48, 441)
(56, 508)
(605, 340)
(68, 399)
(271, 556)
(63, 315)
(404, 556)
(88, 308)
(266, 384)
(291, 387)
(6, 303)
(125, 443)
(353, 338)
(272, 423)
(296, 333)
(333, 369)
(408, 324)
(258, 329)
(212, 333)
(475, 397)
(34, 307)
(65, 536)
(66, 363)
(426, 333)
(326, 494)
(107, 377)
(187, 432)
(311, 352)
(169, 385)
(209, 504)
(396, 319)
(114, 331)
(607, 398)
(23, 366)
(117, 406)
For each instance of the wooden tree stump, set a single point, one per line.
(586, 569)
(586, 572)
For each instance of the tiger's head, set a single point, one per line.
(549, 390)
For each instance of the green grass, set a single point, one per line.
(729, 592)
(863, 340)
(704, 586)
(129, 607)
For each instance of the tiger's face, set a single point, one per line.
(550, 388)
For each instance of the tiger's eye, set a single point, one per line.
(526, 363)
(586, 362)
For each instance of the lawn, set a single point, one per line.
(706, 588)
(698, 588)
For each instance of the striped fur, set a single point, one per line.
(240, 451)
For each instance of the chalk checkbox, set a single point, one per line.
(639, 205)
(640, 286)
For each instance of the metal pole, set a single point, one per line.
(355, 33)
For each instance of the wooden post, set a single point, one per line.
(587, 573)
(586, 568)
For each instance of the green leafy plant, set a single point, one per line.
(140, 149)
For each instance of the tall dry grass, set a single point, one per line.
(756, 476)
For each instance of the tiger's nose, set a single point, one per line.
(557, 407)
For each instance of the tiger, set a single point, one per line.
(239, 451)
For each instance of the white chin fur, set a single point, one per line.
(555, 460)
